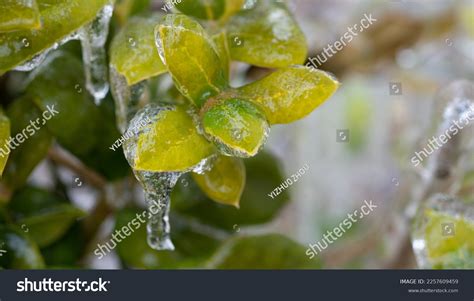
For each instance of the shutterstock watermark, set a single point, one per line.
(49, 285)
(28, 131)
(437, 142)
(338, 231)
(346, 38)
(126, 230)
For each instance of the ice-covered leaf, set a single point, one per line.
(171, 143)
(271, 251)
(290, 93)
(21, 251)
(25, 156)
(237, 127)
(225, 181)
(202, 9)
(442, 233)
(133, 50)
(266, 36)
(60, 18)
(46, 216)
(191, 57)
(256, 207)
(19, 15)
(4, 135)
(449, 250)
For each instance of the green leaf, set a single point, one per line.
(80, 126)
(68, 250)
(125, 8)
(236, 126)
(191, 247)
(231, 8)
(202, 9)
(271, 251)
(266, 36)
(19, 15)
(24, 157)
(224, 182)
(21, 252)
(133, 50)
(191, 58)
(256, 207)
(60, 18)
(171, 143)
(46, 216)
(291, 93)
(4, 135)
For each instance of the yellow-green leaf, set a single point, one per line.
(60, 18)
(224, 182)
(231, 8)
(133, 51)
(267, 36)
(191, 58)
(236, 126)
(449, 251)
(19, 15)
(4, 135)
(171, 143)
(202, 9)
(291, 93)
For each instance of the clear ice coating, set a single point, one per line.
(93, 37)
(443, 234)
(38, 59)
(128, 99)
(156, 185)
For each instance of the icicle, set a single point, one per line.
(158, 187)
(93, 37)
(128, 99)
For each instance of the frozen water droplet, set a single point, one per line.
(93, 37)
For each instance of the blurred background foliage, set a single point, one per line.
(63, 190)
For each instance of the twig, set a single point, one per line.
(62, 158)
